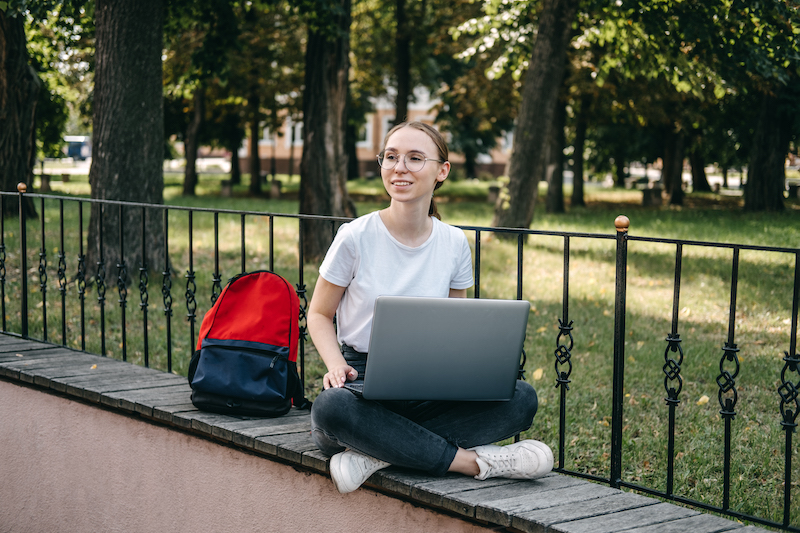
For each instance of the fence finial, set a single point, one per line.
(21, 187)
(622, 223)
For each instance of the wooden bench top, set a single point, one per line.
(556, 502)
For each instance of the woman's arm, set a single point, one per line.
(458, 293)
(323, 306)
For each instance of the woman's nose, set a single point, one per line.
(401, 165)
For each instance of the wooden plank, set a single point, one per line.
(702, 523)
(397, 480)
(93, 388)
(143, 400)
(502, 511)
(535, 520)
(316, 460)
(42, 371)
(41, 377)
(290, 446)
(466, 502)
(444, 492)
(28, 370)
(623, 520)
(12, 344)
(16, 355)
(204, 422)
(176, 415)
(244, 432)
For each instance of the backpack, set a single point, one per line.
(246, 358)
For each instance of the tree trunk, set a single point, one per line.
(403, 63)
(516, 202)
(672, 172)
(352, 153)
(470, 163)
(191, 141)
(236, 170)
(766, 176)
(323, 165)
(699, 178)
(578, 163)
(725, 176)
(619, 166)
(19, 91)
(255, 136)
(555, 162)
(128, 139)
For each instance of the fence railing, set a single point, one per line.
(92, 325)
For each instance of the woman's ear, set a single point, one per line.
(443, 172)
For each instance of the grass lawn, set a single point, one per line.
(762, 330)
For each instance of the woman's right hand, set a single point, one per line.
(338, 375)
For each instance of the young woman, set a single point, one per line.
(405, 250)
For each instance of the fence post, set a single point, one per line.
(622, 223)
(23, 258)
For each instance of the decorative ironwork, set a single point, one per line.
(62, 272)
(789, 392)
(144, 297)
(672, 369)
(563, 354)
(122, 287)
(216, 287)
(166, 291)
(727, 381)
(301, 294)
(191, 303)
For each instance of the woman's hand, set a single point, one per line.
(337, 376)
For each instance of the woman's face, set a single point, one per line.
(402, 184)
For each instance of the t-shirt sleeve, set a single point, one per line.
(462, 277)
(341, 260)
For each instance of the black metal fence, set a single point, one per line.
(81, 328)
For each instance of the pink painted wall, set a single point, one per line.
(69, 466)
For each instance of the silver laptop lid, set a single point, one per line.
(445, 348)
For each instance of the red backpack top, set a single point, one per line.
(258, 307)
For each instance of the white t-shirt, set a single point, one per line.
(365, 258)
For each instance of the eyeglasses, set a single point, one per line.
(413, 162)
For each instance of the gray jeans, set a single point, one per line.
(423, 435)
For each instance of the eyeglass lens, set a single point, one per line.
(413, 162)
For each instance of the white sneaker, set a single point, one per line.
(526, 459)
(350, 469)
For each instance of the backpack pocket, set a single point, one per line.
(242, 369)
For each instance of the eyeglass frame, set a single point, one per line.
(405, 161)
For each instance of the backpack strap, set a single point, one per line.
(296, 389)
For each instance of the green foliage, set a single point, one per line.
(57, 48)
(203, 33)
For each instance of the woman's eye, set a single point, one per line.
(415, 158)
(390, 157)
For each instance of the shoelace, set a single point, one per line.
(364, 464)
(503, 462)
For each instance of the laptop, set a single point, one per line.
(444, 349)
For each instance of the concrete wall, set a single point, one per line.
(69, 466)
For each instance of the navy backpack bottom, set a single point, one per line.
(228, 405)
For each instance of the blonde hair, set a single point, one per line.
(441, 147)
